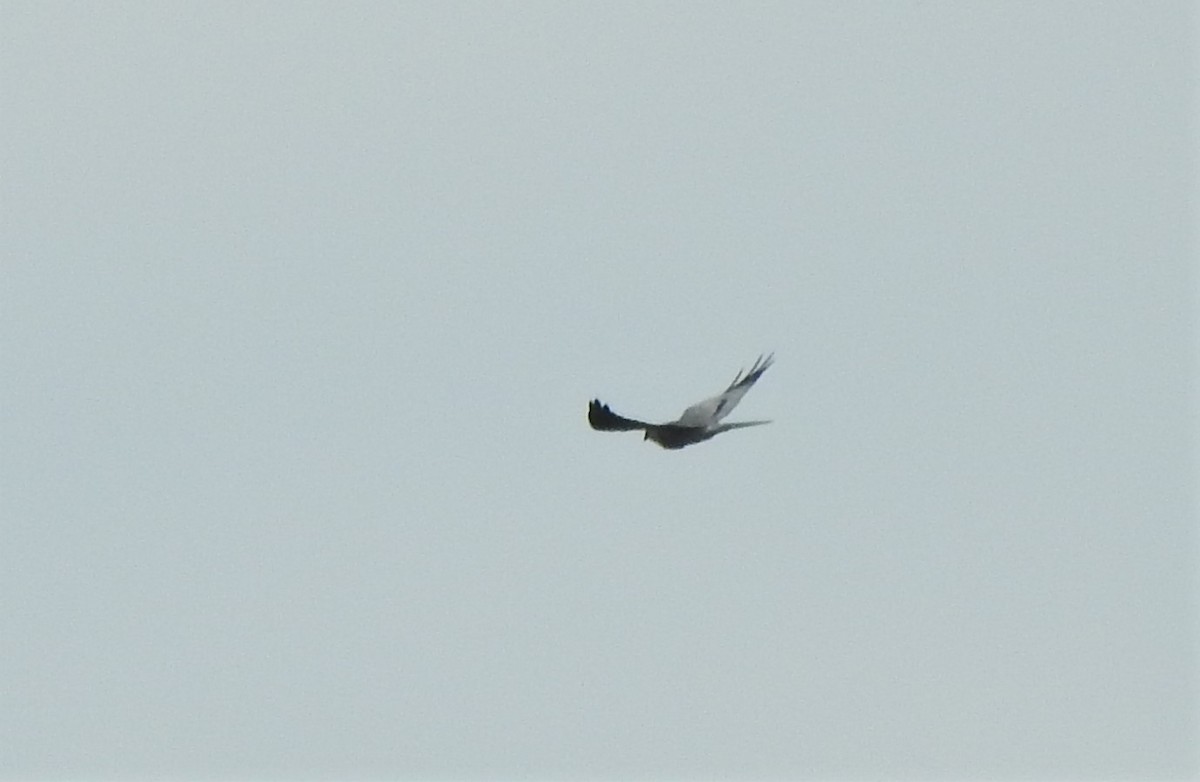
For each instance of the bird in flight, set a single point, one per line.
(698, 423)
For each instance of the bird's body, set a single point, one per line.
(698, 423)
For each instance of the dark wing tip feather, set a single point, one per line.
(604, 419)
(759, 366)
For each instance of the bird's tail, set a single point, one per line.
(738, 425)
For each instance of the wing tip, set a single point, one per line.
(598, 415)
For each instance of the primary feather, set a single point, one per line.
(605, 420)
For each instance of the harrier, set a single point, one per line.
(697, 424)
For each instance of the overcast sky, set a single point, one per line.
(302, 305)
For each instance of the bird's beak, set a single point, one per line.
(646, 435)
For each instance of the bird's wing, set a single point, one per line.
(605, 420)
(712, 410)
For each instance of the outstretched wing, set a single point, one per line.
(712, 410)
(605, 420)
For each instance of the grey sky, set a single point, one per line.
(302, 305)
